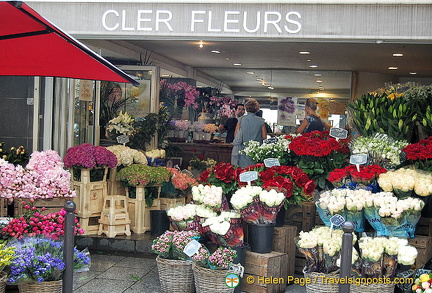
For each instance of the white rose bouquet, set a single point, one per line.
(208, 195)
(183, 217)
(257, 205)
(404, 181)
(345, 202)
(127, 156)
(225, 229)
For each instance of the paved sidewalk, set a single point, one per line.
(118, 273)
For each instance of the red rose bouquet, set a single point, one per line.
(290, 180)
(420, 154)
(350, 177)
(224, 175)
(317, 154)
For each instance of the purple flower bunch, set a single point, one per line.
(222, 258)
(171, 244)
(162, 245)
(41, 259)
(89, 156)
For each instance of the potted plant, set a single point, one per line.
(123, 124)
(39, 264)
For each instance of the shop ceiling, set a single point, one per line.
(279, 64)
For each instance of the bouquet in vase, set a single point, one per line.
(123, 124)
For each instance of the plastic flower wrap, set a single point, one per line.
(225, 229)
(390, 216)
(404, 181)
(380, 148)
(181, 181)
(246, 201)
(271, 202)
(345, 202)
(127, 156)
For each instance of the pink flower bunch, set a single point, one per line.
(225, 105)
(180, 180)
(10, 179)
(89, 156)
(182, 89)
(33, 223)
(181, 238)
(222, 258)
(162, 244)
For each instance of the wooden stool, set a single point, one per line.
(114, 216)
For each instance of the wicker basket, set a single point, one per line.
(318, 286)
(43, 287)
(210, 281)
(175, 275)
(373, 288)
(3, 277)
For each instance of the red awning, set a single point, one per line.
(30, 45)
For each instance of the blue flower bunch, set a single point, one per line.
(41, 259)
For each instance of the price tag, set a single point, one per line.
(358, 160)
(338, 133)
(270, 162)
(271, 140)
(248, 176)
(191, 248)
(123, 139)
(337, 220)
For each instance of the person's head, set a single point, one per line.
(239, 110)
(252, 106)
(312, 104)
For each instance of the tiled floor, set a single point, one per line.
(126, 273)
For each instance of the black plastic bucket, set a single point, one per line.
(159, 222)
(261, 237)
(280, 217)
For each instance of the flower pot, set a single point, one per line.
(175, 275)
(207, 136)
(261, 237)
(280, 218)
(240, 259)
(159, 222)
(182, 134)
(43, 287)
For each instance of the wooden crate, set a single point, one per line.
(114, 186)
(167, 203)
(302, 216)
(90, 225)
(89, 200)
(424, 249)
(139, 212)
(283, 241)
(269, 270)
(424, 227)
(51, 205)
(3, 207)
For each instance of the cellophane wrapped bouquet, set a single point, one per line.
(256, 205)
(406, 182)
(225, 229)
(183, 218)
(210, 196)
(321, 248)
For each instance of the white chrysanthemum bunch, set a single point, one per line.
(182, 213)
(407, 179)
(220, 224)
(384, 150)
(258, 152)
(245, 196)
(156, 153)
(127, 156)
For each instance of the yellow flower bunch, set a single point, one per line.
(7, 255)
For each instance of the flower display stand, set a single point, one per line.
(268, 265)
(167, 203)
(139, 212)
(302, 216)
(114, 186)
(114, 216)
(90, 195)
(283, 241)
(320, 285)
(424, 249)
(42, 287)
(3, 207)
(52, 205)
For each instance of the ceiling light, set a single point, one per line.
(215, 51)
(379, 41)
(271, 88)
(413, 73)
(237, 64)
(393, 68)
(397, 55)
(318, 74)
(313, 66)
(200, 44)
(259, 79)
(319, 81)
(165, 75)
(304, 53)
(250, 72)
